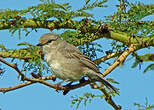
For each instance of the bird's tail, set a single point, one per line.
(106, 83)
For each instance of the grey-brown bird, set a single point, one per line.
(66, 61)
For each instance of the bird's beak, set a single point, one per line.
(39, 44)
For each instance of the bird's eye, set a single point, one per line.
(49, 41)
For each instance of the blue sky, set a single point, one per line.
(134, 86)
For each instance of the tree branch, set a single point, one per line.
(110, 55)
(108, 98)
(41, 81)
(4, 90)
(14, 66)
(5, 54)
(71, 24)
(71, 87)
(121, 58)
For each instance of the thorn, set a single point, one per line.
(14, 65)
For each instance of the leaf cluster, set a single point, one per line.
(127, 19)
(32, 59)
(86, 98)
(89, 49)
(48, 10)
(146, 106)
(138, 61)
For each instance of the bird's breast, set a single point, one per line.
(52, 61)
(65, 69)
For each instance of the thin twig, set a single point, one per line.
(108, 97)
(31, 81)
(4, 90)
(14, 66)
(41, 81)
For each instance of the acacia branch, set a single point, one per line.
(71, 24)
(14, 66)
(42, 81)
(104, 58)
(121, 58)
(108, 98)
(71, 87)
(4, 90)
(7, 54)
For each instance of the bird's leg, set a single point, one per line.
(91, 84)
(58, 85)
(82, 80)
(67, 85)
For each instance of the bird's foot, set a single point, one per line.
(67, 85)
(58, 86)
(82, 80)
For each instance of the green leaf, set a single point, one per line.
(112, 80)
(25, 44)
(87, 1)
(148, 68)
(3, 47)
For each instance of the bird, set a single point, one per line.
(67, 62)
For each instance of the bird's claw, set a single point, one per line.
(59, 86)
(67, 85)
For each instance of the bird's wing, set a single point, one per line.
(70, 51)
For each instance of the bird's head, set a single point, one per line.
(48, 42)
(47, 39)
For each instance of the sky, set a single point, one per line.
(134, 85)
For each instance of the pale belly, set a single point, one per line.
(64, 70)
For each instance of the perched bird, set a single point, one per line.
(66, 61)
